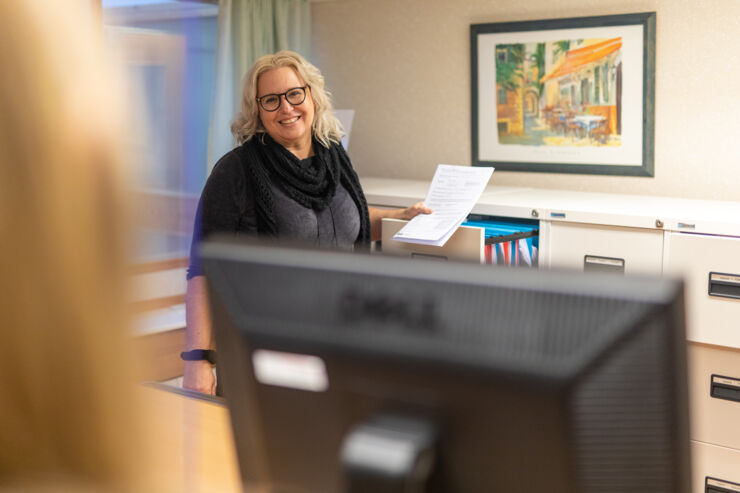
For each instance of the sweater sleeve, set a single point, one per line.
(226, 205)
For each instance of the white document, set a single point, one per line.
(452, 195)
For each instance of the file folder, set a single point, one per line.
(506, 242)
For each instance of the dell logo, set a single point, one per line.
(386, 310)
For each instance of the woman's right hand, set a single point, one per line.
(198, 376)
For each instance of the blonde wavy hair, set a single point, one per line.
(66, 379)
(325, 127)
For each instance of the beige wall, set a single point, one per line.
(404, 66)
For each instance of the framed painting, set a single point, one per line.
(565, 95)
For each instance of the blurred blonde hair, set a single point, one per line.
(325, 127)
(65, 370)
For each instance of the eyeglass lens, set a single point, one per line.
(295, 96)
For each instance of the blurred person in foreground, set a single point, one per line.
(66, 407)
(290, 178)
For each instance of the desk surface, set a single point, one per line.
(190, 447)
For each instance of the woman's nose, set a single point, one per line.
(285, 103)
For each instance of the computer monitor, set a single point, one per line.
(362, 373)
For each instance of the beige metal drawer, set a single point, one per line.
(465, 244)
(714, 469)
(609, 248)
(711, 267)
(714, 394)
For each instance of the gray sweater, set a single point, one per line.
(227, 206)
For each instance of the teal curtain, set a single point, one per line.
(248, 29)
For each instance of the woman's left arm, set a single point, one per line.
(377, 215)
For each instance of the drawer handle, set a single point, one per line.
(724, 285)
(727, 388)
(594, 263)
(714, 485)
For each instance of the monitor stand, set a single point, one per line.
(389, 454)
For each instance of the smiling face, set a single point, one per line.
(289, 125)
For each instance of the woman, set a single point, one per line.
(290, 178)
(67, 414)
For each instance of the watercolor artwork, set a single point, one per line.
(565, 95)
(561, 93)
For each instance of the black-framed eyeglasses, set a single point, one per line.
(271, 102)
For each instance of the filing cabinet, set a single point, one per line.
(714, 394)
(696, 240)
(710, 266)
(714, 469)
(465, 244)
(606, 248)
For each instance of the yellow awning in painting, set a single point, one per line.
(577, 58)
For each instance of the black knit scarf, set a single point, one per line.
(311, 186)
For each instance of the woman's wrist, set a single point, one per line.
(199, 355)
